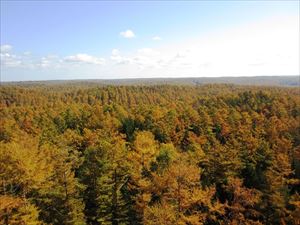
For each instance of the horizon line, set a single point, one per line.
(148, 78)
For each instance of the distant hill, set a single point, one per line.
(258, 80)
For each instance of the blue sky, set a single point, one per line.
(44, 40)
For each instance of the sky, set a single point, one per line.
(55, 40)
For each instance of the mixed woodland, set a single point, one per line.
(153, 155)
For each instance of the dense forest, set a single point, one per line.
(153, 155)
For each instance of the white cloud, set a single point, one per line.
(45, 62)
(5, 48)
(84, 58)
(156, 38)
(7, 58)
(116, 57)
(144, 57)
(127, 34)
(27, 53)
(10, 60)
(115, 52)
(147, 51)
(50, 61)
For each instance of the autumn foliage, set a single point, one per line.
(153, 155)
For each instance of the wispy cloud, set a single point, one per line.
(148, 52)
(115, 52)
(48, 62)
(127, 34)
(5, 48)
(31, 61)
(117, 58)
(143, 58)
(156, 38)
(7, 58)
(84, 58)
(27, 53)
(10, 60)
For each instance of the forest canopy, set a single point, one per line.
(160, 154)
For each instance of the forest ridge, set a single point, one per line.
(154, 155)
